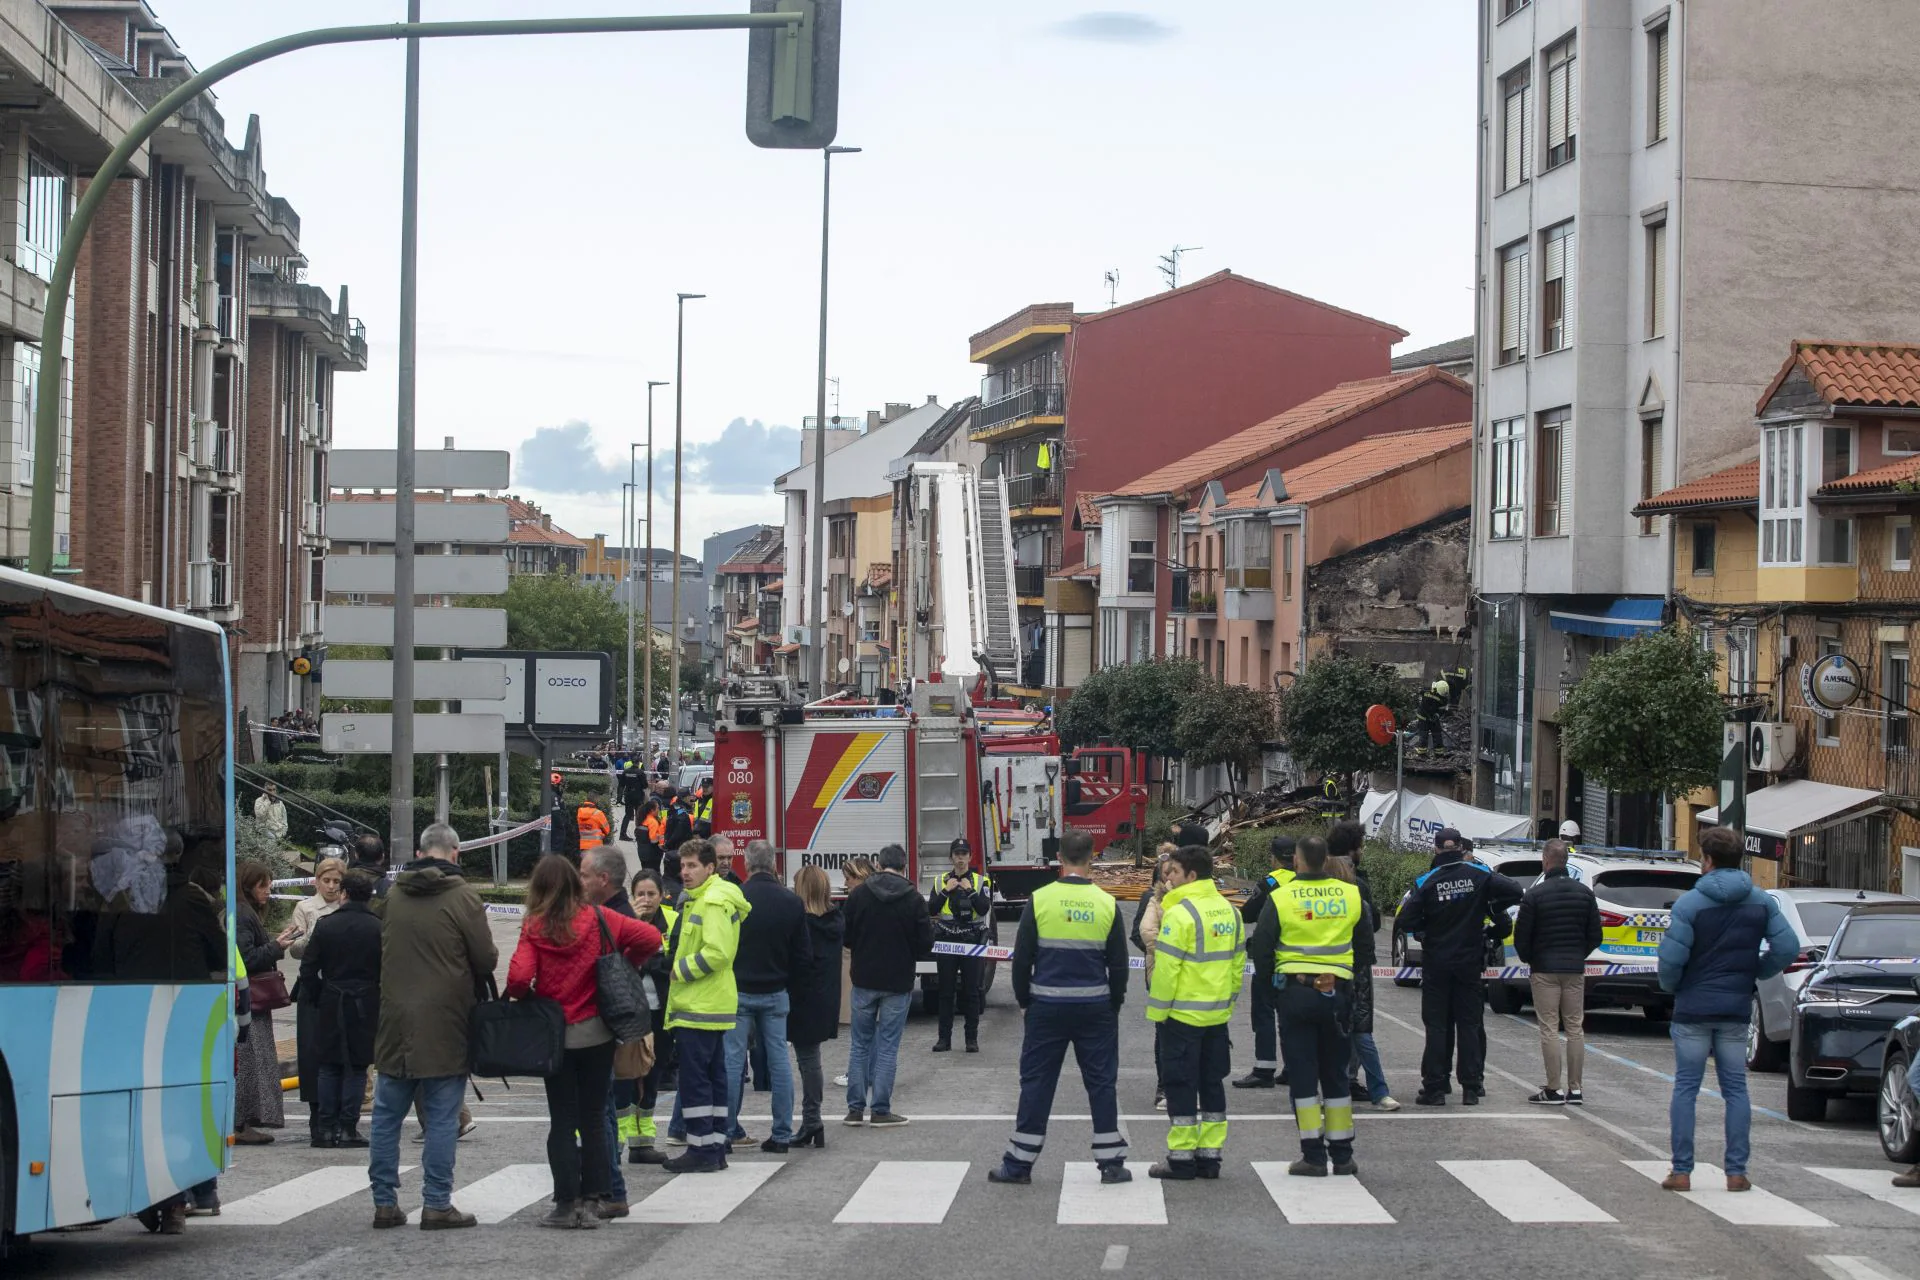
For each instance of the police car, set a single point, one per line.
(1636, 889)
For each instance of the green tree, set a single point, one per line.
(1135, 705)
(1228, 724)
(556, 611)
(1646, 717)
(1324, 714)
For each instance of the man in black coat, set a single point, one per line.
(633, 792)
(340, 983)
(1558, 928)
(1266, 1014)
(1455, 906)
(775, 953)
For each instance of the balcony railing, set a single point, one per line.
(228, 317)
(310, 617)
(1194, 592)
(1903, 772)
(1030, 580)
(1041, 489)
(209, 584)
(310, 519)
(1253, 577)
(1042, 399)
(211, 446)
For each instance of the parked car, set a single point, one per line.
(1520, 863)
(1850, 1003)
(1899, 1110)
(1814, 915)
(688, 776)
(1636, 892)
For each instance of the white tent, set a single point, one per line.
(1426, 815)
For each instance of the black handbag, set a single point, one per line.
(515, 1037)
(623, 991)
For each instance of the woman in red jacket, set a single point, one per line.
(560, 943)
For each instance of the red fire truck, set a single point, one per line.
(836, 779)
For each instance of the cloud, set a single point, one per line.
(563, 460)
(1114, 27)
(745, 459)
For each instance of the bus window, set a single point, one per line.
(113, 797)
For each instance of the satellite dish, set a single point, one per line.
(845, 666)
(846, 610)
(1381, 725)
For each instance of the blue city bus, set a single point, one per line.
(116, 907)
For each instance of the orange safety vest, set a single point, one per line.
(656, 826)
(594, 828)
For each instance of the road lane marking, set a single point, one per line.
(1116, 1259)
(1521, 1191)
(505, 1192)
(702, 1199)
(327, 1264)
(1877, 1183)
(1085, 1202)
(285, 1201)
(1755, 1208)
(1852, 1267)
(1318, 1201)
(906, 1191)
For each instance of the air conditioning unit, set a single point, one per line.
(1770, 745)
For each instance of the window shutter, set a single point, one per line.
(1526, 301)
(1509, 302)
(1656, 457)
(1662, 56)
(1512, 138)
(1566, 477)
(1526, 130)
(1556, 262)
(1573, 97)
(1556, 106)
(1657, 281)
(1569, 271)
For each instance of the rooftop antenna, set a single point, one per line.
(1113, 286)
(1170, 262)
(836, 397)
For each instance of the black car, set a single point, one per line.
(1850, 1004)
(1899, 1110)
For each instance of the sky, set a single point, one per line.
(1014, 151)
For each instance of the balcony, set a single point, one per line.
(1042, 404)
(310, 617)
(1903, 772)
(1193, 593)
(310, 514)
(209, 585)
(1034, 495)
(210, 447)
(228, 318)
(1030, 581)
(1244, 604)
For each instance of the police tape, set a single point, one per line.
(980, 951)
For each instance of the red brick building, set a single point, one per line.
(203, 388)
(1079, 403)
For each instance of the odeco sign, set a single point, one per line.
(1830, 685)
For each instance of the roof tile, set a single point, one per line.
(1735, 486)
(1360, 463)
(1244, 448)
(1865, 374)
(1892, 475)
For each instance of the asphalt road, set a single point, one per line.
(1438, 1195)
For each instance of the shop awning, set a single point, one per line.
(1788, 807)
(1622, 620)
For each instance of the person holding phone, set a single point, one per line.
(962, 911)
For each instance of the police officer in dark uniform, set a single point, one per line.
(1266, 1027)
(962, 911)
(1452, 906)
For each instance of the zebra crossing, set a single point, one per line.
(924, 1193)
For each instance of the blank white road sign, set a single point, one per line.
(432, 575)
(432, 734)
(471, 522)
(450, 628)
(433, 468)
(431, 680)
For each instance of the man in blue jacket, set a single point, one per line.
(1711, 960)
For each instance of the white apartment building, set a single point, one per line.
(1670, 191)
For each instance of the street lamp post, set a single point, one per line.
(646, 618)
(679, 460)
(817, 588)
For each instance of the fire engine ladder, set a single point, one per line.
(994, 548)
(940, 770)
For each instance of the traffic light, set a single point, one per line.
(793, 76)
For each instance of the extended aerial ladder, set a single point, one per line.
(960, 619)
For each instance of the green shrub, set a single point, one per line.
(1391, 872)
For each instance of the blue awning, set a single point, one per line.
(1621, 620)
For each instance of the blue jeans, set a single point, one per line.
(879, 1020)
(766, 1012)
(439, 1098)
(1726, 1043)
(1369, 1055)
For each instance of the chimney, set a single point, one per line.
(546, 521)
(873, 419)
(933, 399)
(895, 410)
